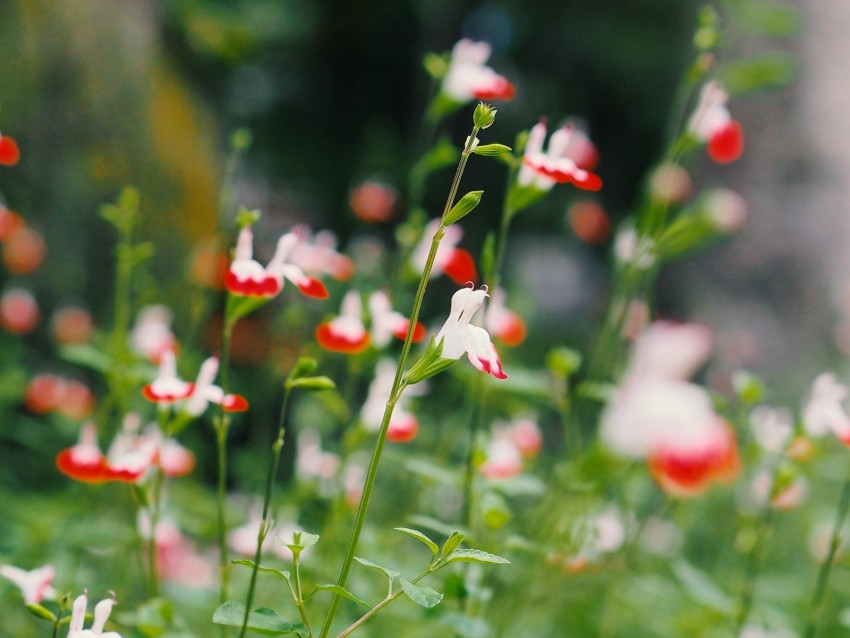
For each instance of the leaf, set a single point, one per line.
(314, 384)
(454, 539)
(41, 611)
(265, 621)
(422, 596)
(769, 70)
(268, 570)
(464, 206)
(391, 573)
(489, 150)
(441, 155)
(702, 589)
(422, 538)
(87, 355)
(476, 556)
(303, 367)
(340, 591)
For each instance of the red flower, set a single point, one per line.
(9, 152)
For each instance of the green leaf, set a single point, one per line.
(87, 355)
(312, 384)
(303, 367)
(268, 570)
(422, 538)
(702, 589)
(340, 591)
(41, 612)
(454, 539)
(465, 206)
(490, 150)
(422, 596)
(441, 155)
(769, 70)
(436, 65)
(391, 573)
(476, 556)
(265, 621)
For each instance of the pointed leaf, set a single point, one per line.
(702, 589)
(41, 612)
(476, 556)
(265, 621)
(465, 206)
(422, 538)
(391, 573)
(268, 570)
(491, 149)
(312, 383)
(340, 591)
(303, 367)
(454, 539)
(422, 596)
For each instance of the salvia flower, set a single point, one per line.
(711, 122)
(206, 392)
(404, 425)
(658, 416)
(450, 260)
(247, 277)
(469, 77)
(101, 614)
(35, 584)
(151, 335)
(317, 255)
(458, 336)
(824, 410)
(167, 387)
(347, 332)
(564, 161)
(503, 323)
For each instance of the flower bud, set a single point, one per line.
(484, 115)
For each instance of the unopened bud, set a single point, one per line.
(484, 115)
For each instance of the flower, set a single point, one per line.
(457, 336)
(502, 323)
(712, 123)
(347, 333)
(312, 462)
(404, 425)
(469, 77)
(373, 201)
(205, 392)
(151, 335)
(19, 313)
(167, 387)
(560, 163)
(658, 416)
(318, 255)
(247, 277)
(9, 152)
(101, 615)
(455, 262)
(824, 410)
(388, 323)
(35, 584)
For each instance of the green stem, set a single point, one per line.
(222, 424)
(395, 393)
(297, 592)
(265, 523)
(818, 598)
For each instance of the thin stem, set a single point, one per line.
(299, 599)
(396, 391)
(265, 523)
(754, 563)
(222, 424)
(818, 598)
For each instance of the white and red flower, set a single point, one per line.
(404, 426)
(455, 262)
(469, 77)
(317, 255)
(35, 584)
(151, 335)
(347, 332)
(658, 416)
(503, 323)
(458, 336)
(167, 387)
(247, 277)
(206, 392)
(711, 122)
(565, 161)
(101, 614)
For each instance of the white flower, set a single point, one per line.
(457, 336)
